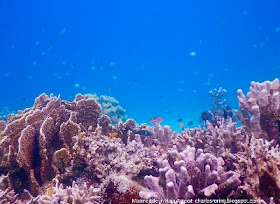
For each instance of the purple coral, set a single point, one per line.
(81, 148)
(190, 174)
(263, 104)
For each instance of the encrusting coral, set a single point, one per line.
(73, 152)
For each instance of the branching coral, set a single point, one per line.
(214, 139)
(259, 167)
(191, 174)
(8, 196)
(78, 147)
(71, 194)
(217, 95)
(264, 108)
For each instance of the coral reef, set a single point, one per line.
(263, 105)
(214, 139)
(259, 167)
(61, 139)
(217, 95)
(191, 174)
(111, 107)
(220, 111)
(75, 152)
(71, 194)
(113, 155)
(120, 189)
(32, 138)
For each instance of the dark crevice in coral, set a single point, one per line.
(78, 170)
(36, 165)
(240, 195)
(56, 142)
(125, 138)
(3, 170)
(269, 188)
(270, 126)
(19, 179)
(229, 164)
(152, 171)
(278, 122)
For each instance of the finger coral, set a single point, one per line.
(71, 194)
(190, 174)
(263, 104)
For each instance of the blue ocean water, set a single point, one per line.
(158, 58)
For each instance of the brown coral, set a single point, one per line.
(259, 167)
(40, 133)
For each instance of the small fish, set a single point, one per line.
(143, 133)
(156, 120)
(190, 123)
(181, 125)
(180, 120)
(177, 159)
(114, 134)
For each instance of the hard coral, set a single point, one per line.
(214, 139)
(71, 194)
(120, 189)
(113, 155)
(259, 167)
(88, 110)
(111, 107)
(80, 148)
(263, 104)
(191, 174)
(39, 133)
